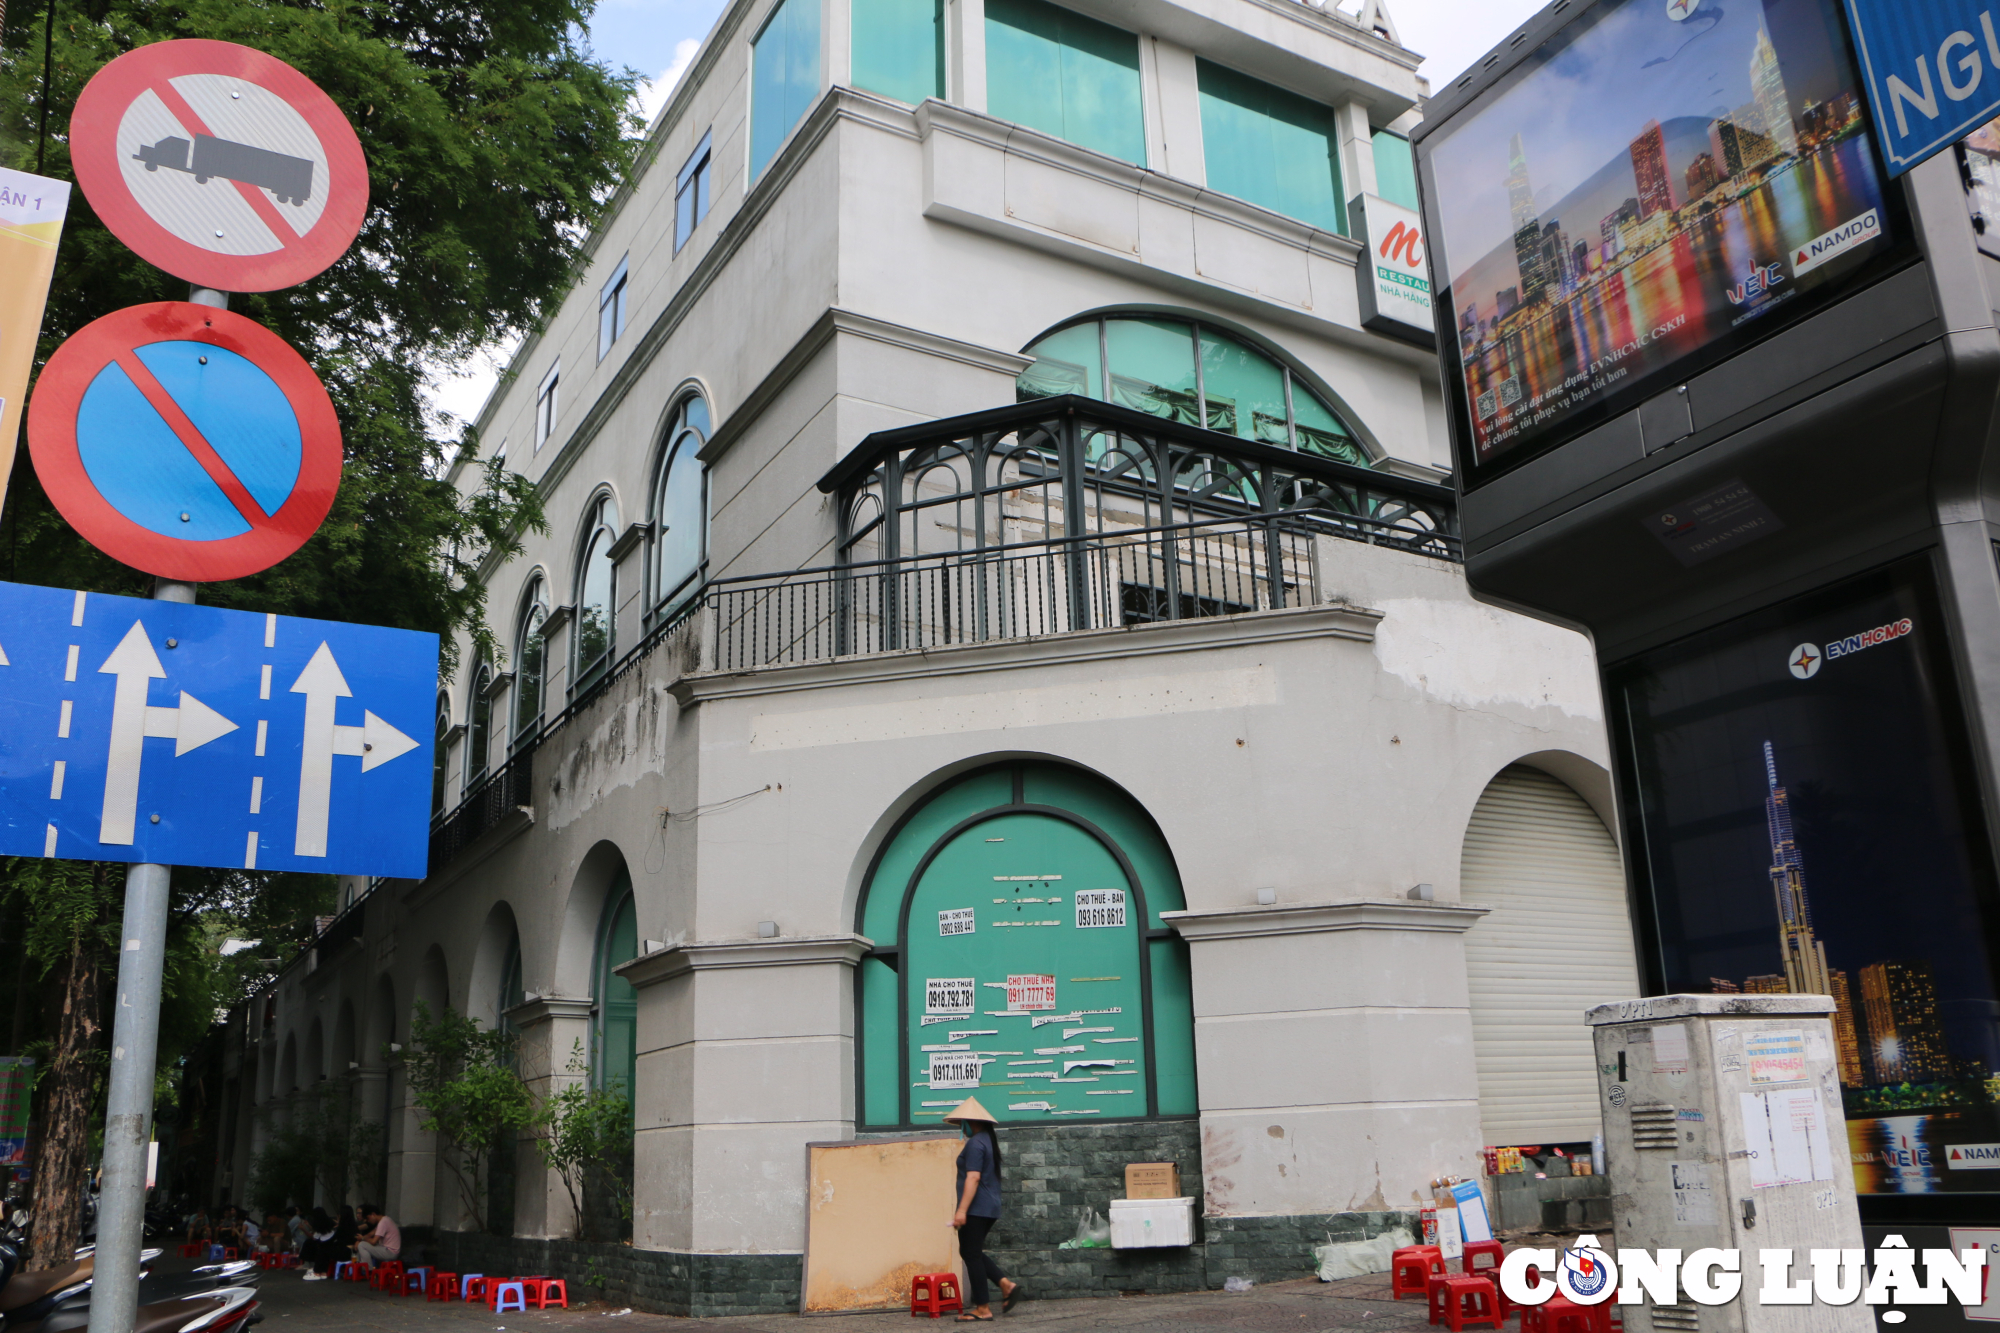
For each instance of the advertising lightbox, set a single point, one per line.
(1653, 189)
(1804, 818)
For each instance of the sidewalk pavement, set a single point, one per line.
(1294, 1307)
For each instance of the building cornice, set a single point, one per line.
(507, 828)
(678, 960)
(546, 1008)
(1332, 620)
(1256, 922)
(837, 321)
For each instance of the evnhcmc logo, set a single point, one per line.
(1805, 660)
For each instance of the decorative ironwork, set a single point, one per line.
(504, 790)
(1046, 517)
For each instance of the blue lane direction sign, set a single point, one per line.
(295, 744)
(1933, 72)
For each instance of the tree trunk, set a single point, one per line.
(62, 1179)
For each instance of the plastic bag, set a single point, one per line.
(1093, 1232)
(1359, 1258)
(1238, 1284)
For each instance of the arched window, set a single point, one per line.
(595, 585)
(512, 992)
(440, 760)
(1025, 844)
(1189, 372)
(530, 661)
(479, 726)
(680, 508)
(614, 1012)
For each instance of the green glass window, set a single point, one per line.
(1025, 845)
(1065, 75)
(1273, 148)
(898, 48)
(594, 603)
(1243, 391)
(784, 78)
(1150, 365)
(1395, 169)
(615, 1020)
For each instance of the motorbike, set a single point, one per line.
(216, 1298)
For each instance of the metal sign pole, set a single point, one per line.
(135, 1041)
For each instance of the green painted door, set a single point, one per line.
(1024, 980)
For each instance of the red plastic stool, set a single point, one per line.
(193, 1249)
(532, 1288)
(934, 1294)
(388, 1275)
(554, 1289)
(416, 1281)
(1473, 1300)
(444, 1287)
(1412, 1268)
(1560, 1314)
(473, 1287)
(1475, 1250)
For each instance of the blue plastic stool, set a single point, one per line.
(500, 1291)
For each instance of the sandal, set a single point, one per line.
(1007, 1304)
(969, 1318)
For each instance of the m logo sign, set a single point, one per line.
(1404, 245)
(1393, 276)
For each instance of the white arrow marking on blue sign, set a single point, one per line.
(375, 742)
(192, 725)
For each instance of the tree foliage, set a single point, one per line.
(463, 1078)
(584, 1135)
(493, 138)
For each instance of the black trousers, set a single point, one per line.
(979, 1265)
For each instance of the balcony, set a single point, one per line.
(1048, 517)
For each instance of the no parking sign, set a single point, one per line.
(186, 441)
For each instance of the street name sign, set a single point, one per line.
(220, 164)
(1932, 68)
(148, 731)
(186, 441)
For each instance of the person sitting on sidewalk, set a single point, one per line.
(382, 1241)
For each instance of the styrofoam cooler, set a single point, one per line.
(1138, 1224)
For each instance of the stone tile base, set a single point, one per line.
(660, 1281)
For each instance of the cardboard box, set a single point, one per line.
(1152, 1180)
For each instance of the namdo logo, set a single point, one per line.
(1585, 1273)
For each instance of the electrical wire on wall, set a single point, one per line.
(658, 843)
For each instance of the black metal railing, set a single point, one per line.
(1063, 514)
(498, 795)
(1025, 590)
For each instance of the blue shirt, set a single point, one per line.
(977, 1155)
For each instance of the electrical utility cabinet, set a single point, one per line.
(1723, 1129)
(1725, 395)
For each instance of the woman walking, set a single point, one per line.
(979, 1208)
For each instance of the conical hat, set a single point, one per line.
(969, 1109)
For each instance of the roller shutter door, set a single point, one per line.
(1558, 940)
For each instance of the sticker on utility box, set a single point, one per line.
(1776, 1057)
(948, 995)
(1694, 1199)
(955, 921)
(1100, 907)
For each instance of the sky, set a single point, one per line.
(658, 38)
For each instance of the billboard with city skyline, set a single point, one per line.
(1655, 188)
(1806, 823)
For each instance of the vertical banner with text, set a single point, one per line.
(31, 218)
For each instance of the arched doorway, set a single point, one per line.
(1019, 949)
(1558, 940)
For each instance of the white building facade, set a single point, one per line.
(991, 575)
